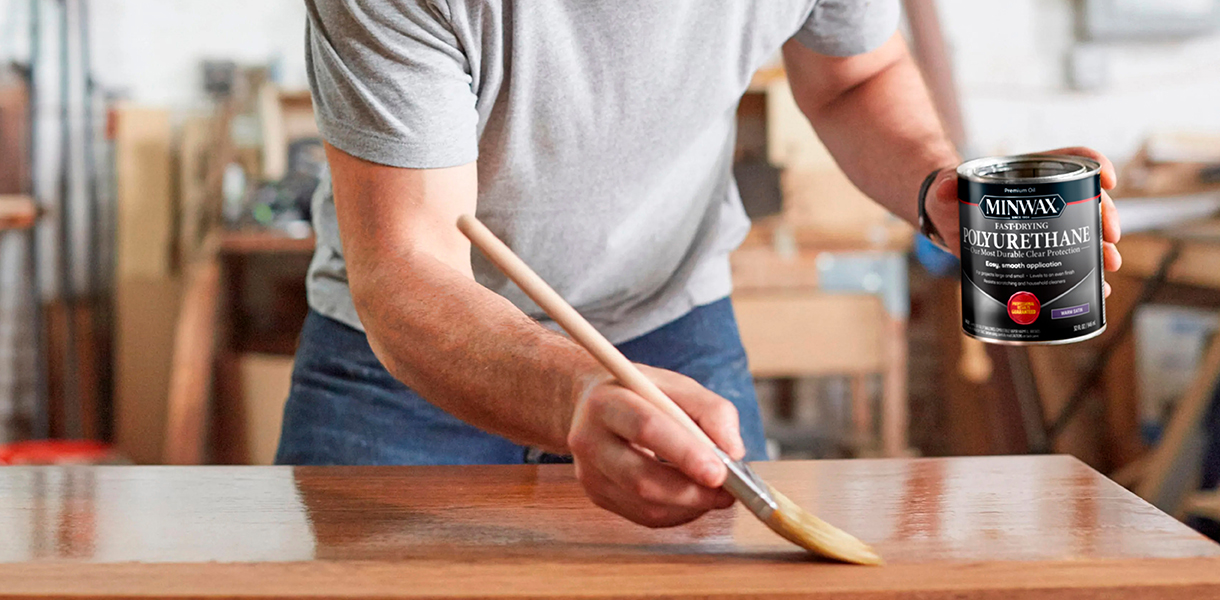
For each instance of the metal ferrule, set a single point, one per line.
(746, 486)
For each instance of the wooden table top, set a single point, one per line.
(1000, 527)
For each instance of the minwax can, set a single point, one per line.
(1031, 249)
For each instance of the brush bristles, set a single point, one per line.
(817, 536)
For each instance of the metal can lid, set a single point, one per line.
(1028, 168)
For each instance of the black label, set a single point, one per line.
(1031, 260)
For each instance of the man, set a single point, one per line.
(596, 139)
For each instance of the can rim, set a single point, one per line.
(1087, 167)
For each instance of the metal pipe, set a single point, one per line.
(95, 286)
(39, 417)
(67, 292)
(91, 259)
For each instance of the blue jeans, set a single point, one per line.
(346, 409)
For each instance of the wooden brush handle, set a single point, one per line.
(581, 330)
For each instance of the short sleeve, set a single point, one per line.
(390, 82)
(848, 27)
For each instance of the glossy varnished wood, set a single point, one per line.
(1009, 527)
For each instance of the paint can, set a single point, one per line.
(1031, 249)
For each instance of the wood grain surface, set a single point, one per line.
(998, 527)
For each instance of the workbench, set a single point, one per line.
(1045, 527)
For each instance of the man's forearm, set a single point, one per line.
(471, 352)
(883, 131)
(459, 345)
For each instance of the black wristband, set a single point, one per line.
(925, 224)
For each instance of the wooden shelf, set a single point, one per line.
(262, 241)
(17, 212)
(265, 278)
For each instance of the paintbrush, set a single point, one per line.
(782, 515)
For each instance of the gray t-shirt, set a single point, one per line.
(603, 130)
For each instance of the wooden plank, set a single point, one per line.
(275, 140)
(810, 334)
(296, 106)
(1187, 414)
(761, 268)
(190, 383)
(143, 167)
(14, 134)
(1056, 375)
(897, 237)
(146, 311)
(1025, 527)
(1195, 266)
(266, 380)
(1123, 440)
(822, 199)
(285, 116)
(147, 288)
(963, 375)
(193, 162)
(17, 212)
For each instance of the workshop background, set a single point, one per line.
(156, 160)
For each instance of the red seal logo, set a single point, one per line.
(1023, 308)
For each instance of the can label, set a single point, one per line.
(1031, 259)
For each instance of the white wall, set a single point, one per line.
(1010, 62)
(151, 50)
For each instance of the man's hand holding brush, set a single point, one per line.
(618, 436)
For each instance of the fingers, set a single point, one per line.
(613, 436)
(716, 416)
(617, 438)
(1110, 256)
(942, 209)
(604, 493)
(1109, 177)
(1111, 228)
(945, 186)
(644, 478)
(1105, 290)
(635, 420)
